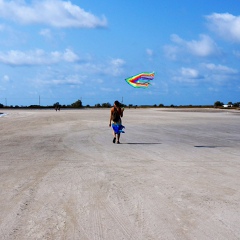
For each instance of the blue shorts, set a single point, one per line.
(117, 128)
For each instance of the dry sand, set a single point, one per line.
(176, 175)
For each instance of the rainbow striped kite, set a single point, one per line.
(140, 80)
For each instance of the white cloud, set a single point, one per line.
(175, 38)
(37, 57)
(70, 56)
(187, 75)
(210, 72)
(46, 33)
(225, 25)
(117, 62)
(113, 67)
(69, 80)
(53, 78)
(55, 13)
(203, 47)
(149, 52)
(171, 52)
(83, 71)
(219, 74)
(190, 73)
(220, 68)
(6, 78)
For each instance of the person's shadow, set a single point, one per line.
(141, 143)
(208, 146)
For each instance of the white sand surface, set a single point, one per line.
(175, 175)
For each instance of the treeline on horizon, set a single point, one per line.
(78, 104)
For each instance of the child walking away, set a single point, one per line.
(116, 122)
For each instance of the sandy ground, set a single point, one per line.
(175, 175)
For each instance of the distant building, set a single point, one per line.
(227, 105)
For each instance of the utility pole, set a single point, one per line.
(39, 100)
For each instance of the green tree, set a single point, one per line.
(106, 105)
(218, 104)
(237, 104)
(98, 105)
(77, 104)
(56, 104)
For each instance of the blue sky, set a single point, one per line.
(63, 51)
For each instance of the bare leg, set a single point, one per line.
(114, 137)
(118, 138)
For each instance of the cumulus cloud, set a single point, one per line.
(203, 47)
(113, 67)
(56, 13)
(37, 57)
(82, 72)
(220, 68)
(59, 80)
(225, 25)
(220, 74)
(206, 72)
(188, 75)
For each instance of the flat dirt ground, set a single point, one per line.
(175, 175)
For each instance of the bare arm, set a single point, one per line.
(110, 117)
(121, 109)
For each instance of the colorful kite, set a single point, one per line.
(140, 80)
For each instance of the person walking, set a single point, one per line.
(116, 114)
